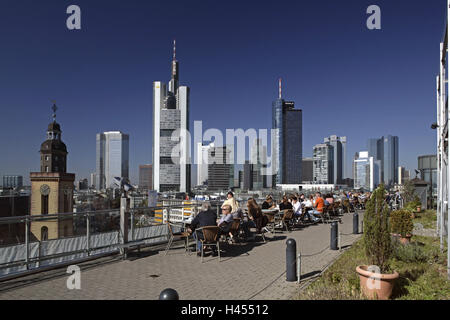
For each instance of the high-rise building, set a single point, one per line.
(258, 165)
(171, 144)
(366, 171)
(323, 163)
(202, 162)
(247, 178)
(220, 169)
(386, 149)
(145, 177)
(52, 188)
(112, 158)
(339, 145)
(287, 142)
(12, 181)
(93, 180)
(403, 175)
(307, 170)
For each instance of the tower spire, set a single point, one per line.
(54, 108)
(279, 88)
(174, 49)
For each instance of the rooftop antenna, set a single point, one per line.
(54, 108)
(174, 49)
(279, 88)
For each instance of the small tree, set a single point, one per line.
(377, 238)
(401, 222)
(409, 192)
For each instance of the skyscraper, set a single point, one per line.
(112, 158)
(171, 145)
(366, 171)
(386, 149)
(202, 162)
(145, 177)
(339, 145)
(287, 142)
(323, 163)
(220, 168)
(307, 170)
(258, 165)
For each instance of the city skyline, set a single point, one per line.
(355, 87)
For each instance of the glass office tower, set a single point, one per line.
(112, 158)
(385, 150)
(287, 142)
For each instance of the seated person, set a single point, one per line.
(231, 201)
(285, 205)
(238, 214)
(269, 203)
(318, 205)
(329, 198)
(206, 217)
(298, 212)
(257, 219)
(226, 220)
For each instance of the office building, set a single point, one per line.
(247, 177)
(202, 162)
(220, 169)
(145, 177)
(323, 164)
(12, 182)
(386, 150)
(171, 144)
(112, 158)
(258, 165)
(403, 175)
(366, 171)
(339, 145)
(307, 170)
(287, 142)
(93, 180)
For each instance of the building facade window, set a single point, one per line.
(44, 204)
(44, 233)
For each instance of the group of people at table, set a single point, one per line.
(253, 217)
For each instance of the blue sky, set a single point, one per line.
(349, 81)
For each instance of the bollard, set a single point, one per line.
(291, 252)
(169, 294)
(355, 223)
(334, 236)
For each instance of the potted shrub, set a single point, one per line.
(401, 225)
(378, 249)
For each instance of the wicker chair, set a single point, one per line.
(176, 236)
(210, 238)
(288, 218)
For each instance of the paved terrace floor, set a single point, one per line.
(252, 271)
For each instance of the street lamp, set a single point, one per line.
(434, 125)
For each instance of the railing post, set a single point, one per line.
(27, 243)
(123, 224)
(88, 234)
(132, 224)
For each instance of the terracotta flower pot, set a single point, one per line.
(376, 285)
(406, 239)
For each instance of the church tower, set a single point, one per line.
(52, 187)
